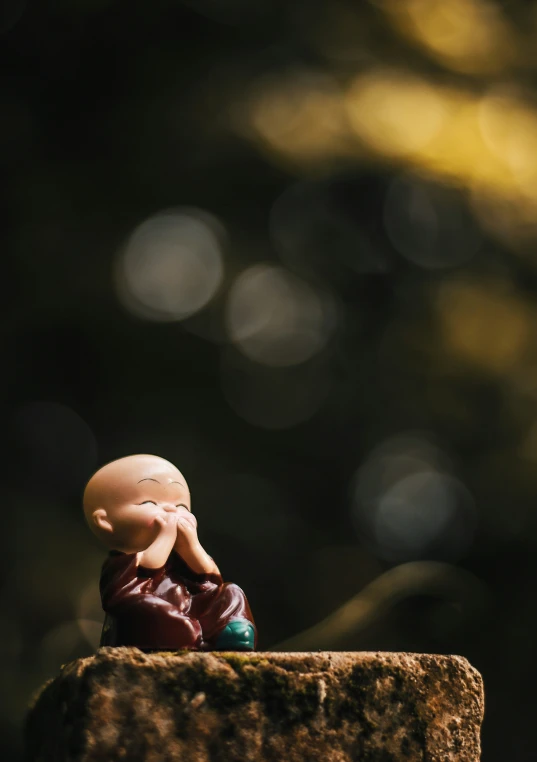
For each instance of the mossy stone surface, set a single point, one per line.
(125, 705)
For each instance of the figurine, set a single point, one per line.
(160, 590)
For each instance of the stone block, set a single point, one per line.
(127, 706)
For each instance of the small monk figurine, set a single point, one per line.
(160, 590)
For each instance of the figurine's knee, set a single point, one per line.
(233, 602)
(233, 590)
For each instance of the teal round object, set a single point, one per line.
(238, 635)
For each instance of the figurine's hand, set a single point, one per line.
(187, 535)
(188, 546)
(167, 524)
(156, 555)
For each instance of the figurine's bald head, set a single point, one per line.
(122, 499)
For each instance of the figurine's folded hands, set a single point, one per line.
(156, 555)
(188, 546)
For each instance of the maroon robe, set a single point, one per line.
(170, 608)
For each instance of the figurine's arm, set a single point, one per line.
(156, 555)
(188, 546)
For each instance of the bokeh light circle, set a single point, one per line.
(298, 115)
(407, 505)
(172, 265)
(414, 511)
(394, 113)
(429, 224)
(277, 319)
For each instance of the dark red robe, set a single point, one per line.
(170, 608)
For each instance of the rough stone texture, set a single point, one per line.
(122, 704)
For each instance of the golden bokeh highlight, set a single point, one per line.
(298, 116)
(485, 144)
(383, 106)
(432, 127)
(468, 36)
(509, 128)
(484, 324)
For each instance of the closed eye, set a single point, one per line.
(147, 501)
(182, 505)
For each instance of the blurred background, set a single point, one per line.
(290, 245)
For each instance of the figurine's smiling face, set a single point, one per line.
(133, 515)
(123, 499)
